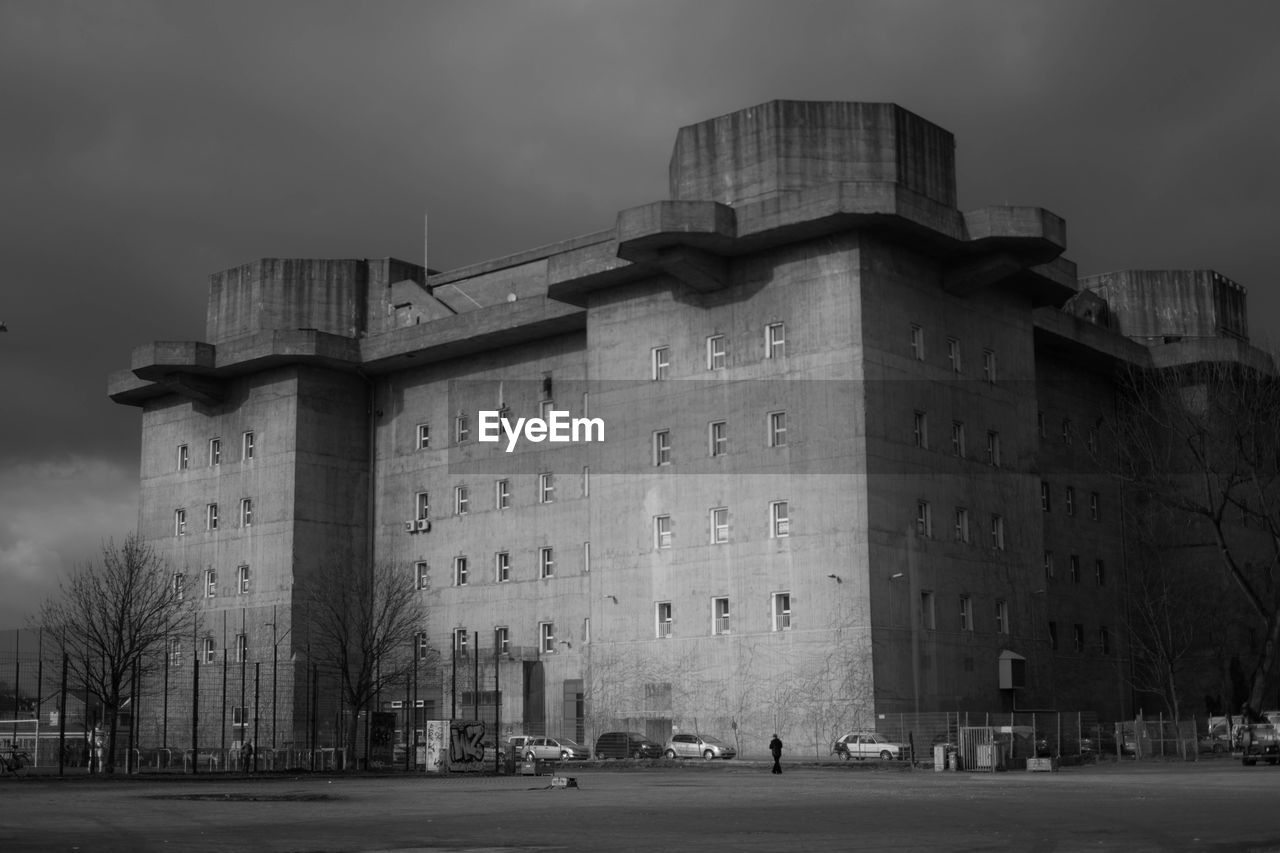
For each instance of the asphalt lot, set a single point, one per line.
(729, 806)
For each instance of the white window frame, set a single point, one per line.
(1002, 616)
(989, 365)
(953, 356)
(421, 645)
(917, 341)
(502, 494)
(242, 579)
(246, 512)
(718, 438)
(997, 532)
(1066, 431)
(1104, 639)
(719, 525)
(1073, 568)
(422, 505)
(1077, 636)
(242, 648)
(661, 447)
(717, 352)
(178, 586)
(662, 620)
(721, 616)
(208, 650)
(777, 422)
(993, 448)
(546, 562)
(184, 457)
(1050, 570)
(461, 500)
(924, 519)
(502, 639)
(1071, 500)
(781, 610)
(547, 637)
(215, 451)
(775, 340)
(546, 488)
(920, 427)
(545, 408)
(461, 642)
(179, 522)
(957, 439)
(461, 429)
(424, 436)
(1046, 497)
(779, 519)
(660, 363)
(248, 445)
(421, 575)
(211, 517)
(662, 534)
(461, 570)
(966, 613)
(962, 524)
(1095, 508)
(210, 583)
(175, 652)
(1100, 571)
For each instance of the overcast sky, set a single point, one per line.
(146, 145)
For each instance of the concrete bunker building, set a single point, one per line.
(848, 466)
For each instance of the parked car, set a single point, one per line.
(626, 745)
(694, 746)
(1216, 740)
(862, 745)
(555, 749)
(517, 743)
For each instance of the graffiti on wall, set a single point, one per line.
(466, 744)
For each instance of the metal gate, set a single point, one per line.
(980, 749)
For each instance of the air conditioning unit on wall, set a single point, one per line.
(411, 526)
(424, 525)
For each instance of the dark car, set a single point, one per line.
(626, 745)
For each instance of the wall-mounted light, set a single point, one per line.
(836, 578)
(566, 643)
(612, 598)
(895, 576)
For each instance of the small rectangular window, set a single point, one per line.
(662, 447)
(917, 342)
(461, 500)
(921, 426)
(993, 448)
(1046, 497)
(546, 563)
(719, 438)
(717, 352)
(242, 648)
(546, 488)
(997, 532)
(953, 355)
(178, 586)
(242, 579)
(210, 583)
(421, 645)
(502, 494)
(547, 637)
(782, 611)
(962, 524)
(779, 520)
(1077, 637)
(1073, 563)
(460, 642)
(1095, 509)
(184, 457)
(424, 436)
(775, 341)
(1100, 572)
(957, 439)
(1104, 640)
(966, 613)
(502, 640)
(989, 365)
(1066, 431)
(777, 429)
(663, 619)
(1048, 565)
(247, 446)
(423, 506)
(545, 408)
(209, 650)
(175, 652)
(179, 522)
(661, 362)
(502, 567)
(246, 512)
(719, 525)
(459, 571)
(1071, 500)
(720, 615)
(1002, 617)
(924, 519)
(461, 429)
(211, 517)
(662, 531)
(215, 451)
(421, 576)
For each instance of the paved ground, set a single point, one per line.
(732, 806)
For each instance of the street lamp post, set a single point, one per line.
(275, 665)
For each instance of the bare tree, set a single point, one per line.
(112, 620)
(364, 622)
(1204, 442)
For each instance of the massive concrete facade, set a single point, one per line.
(848, 457)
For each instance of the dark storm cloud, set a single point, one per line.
(145, 145)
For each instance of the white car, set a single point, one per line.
(698, 746)
(862, 745)
(555, 749)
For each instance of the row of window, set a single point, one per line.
(779, 609)
(959, 439)
(1078, 638)
(208, 648)
(547, 642)
(247, 446)
(718, 525)
(1068, 432)
(1073, 569)
(954, 359)
(1046, 501)
(960, 520)
(212, 518)
(929, 617)
(717, 351)
(546, 493)
(502, 567)
(210, 582)
(718, 438)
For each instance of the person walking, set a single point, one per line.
(775, 747)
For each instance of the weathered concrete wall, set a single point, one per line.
(1152, 305)
(285, 293)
